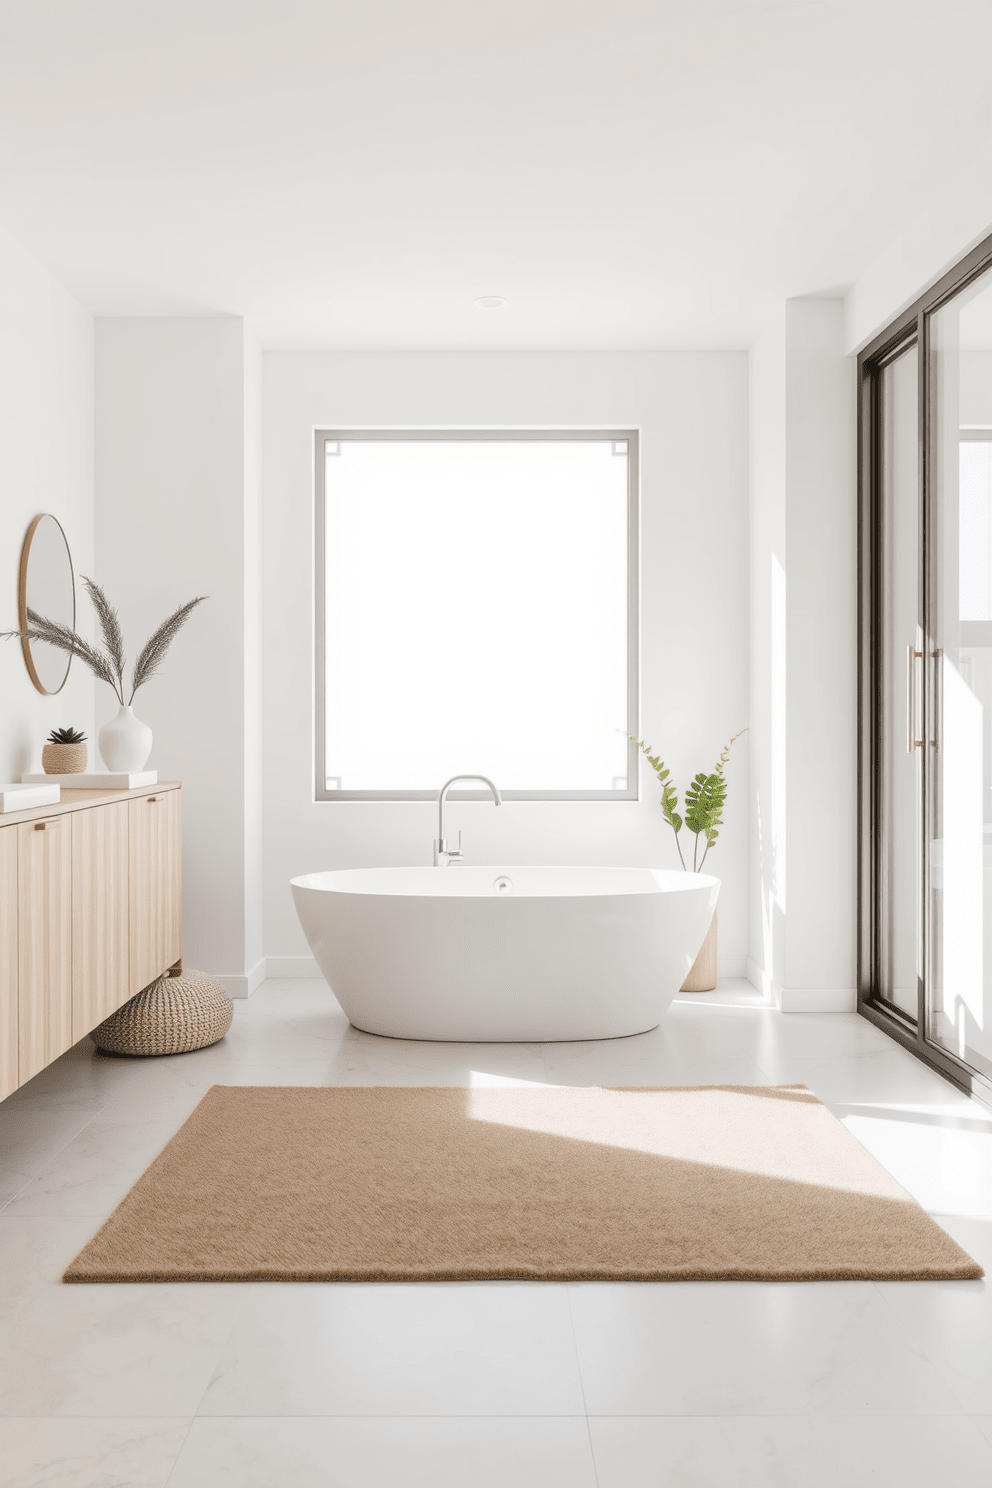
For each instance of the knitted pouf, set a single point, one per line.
(172, 1016)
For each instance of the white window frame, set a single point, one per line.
(324, 436)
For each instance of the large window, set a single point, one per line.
(476, 611)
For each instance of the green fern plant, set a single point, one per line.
(705, 798)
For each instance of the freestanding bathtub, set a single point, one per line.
(497, 955)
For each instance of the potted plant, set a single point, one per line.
(703, 815)
(64, 753)
(125, 742)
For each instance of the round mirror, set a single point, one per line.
(46, 586)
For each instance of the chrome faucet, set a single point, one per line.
(444, 855)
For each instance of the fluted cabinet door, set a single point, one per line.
(44, 942)
(8, 961)
(100, 919)
(155, 870)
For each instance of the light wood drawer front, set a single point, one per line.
(155, 854)
(8, 961)
(44, 942)
(100, 921)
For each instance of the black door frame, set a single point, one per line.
(912, 326)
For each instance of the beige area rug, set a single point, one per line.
(383, 1183)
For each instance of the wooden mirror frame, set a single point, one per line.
(22, 601)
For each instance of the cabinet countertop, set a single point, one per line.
(80, 800)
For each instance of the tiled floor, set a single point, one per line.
(620, 1386)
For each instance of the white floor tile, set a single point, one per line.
(252, 1064)
(98, 1350)
(691, 1051)
(750, 1349)
(816, 1035)
(13, 1179)
(34, 1252)
(289, 1000)
(728, 992)
(81, 1073)
(406, 1453)
(460, 1349)
(891, 1074)
(943, 1160)
(801, 1452)
(95, 1452)
(952, 1322)
(140, 1351)
(417, 1062)
(93, 1172)
(136, 1350)
(31, 1136)
(605, 1068)
(693, 1384)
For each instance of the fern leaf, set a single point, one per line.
(64, 638)
(704, 800)
(111, 628)
(725, 751)
(669, 802)
(152, 653)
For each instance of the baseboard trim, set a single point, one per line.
(241, 986)
(290, 967)
(732, 966)
(770, 990)
(801, 999)
(819, 1000)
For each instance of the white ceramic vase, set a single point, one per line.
(125, 742)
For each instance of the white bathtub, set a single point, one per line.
(496, 955)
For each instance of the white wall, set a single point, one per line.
(46, 465)
(767, 640)
(254, 953)
(803, 559)
(176, 516)
(950, 222)
(692, 410)
(821, 629)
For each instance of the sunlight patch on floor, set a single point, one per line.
(791, 1139)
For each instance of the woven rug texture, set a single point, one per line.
(415, 1183)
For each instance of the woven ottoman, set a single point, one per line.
(172, 1016)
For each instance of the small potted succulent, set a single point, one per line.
(65, 752)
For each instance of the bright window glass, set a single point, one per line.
(476, 612)
(975, 530)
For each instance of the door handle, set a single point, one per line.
(50, 821)
(912, 657)
(937, 658)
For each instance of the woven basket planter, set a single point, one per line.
(63, 759)
(172, 1016)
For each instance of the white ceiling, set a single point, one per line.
(639, 173)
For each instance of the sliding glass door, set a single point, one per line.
(926, 677)
(959, 984)
(901, 612)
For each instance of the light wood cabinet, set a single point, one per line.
(44, 942)
(8, 961)
(90, 913)
(100, 915)
(156, 892)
